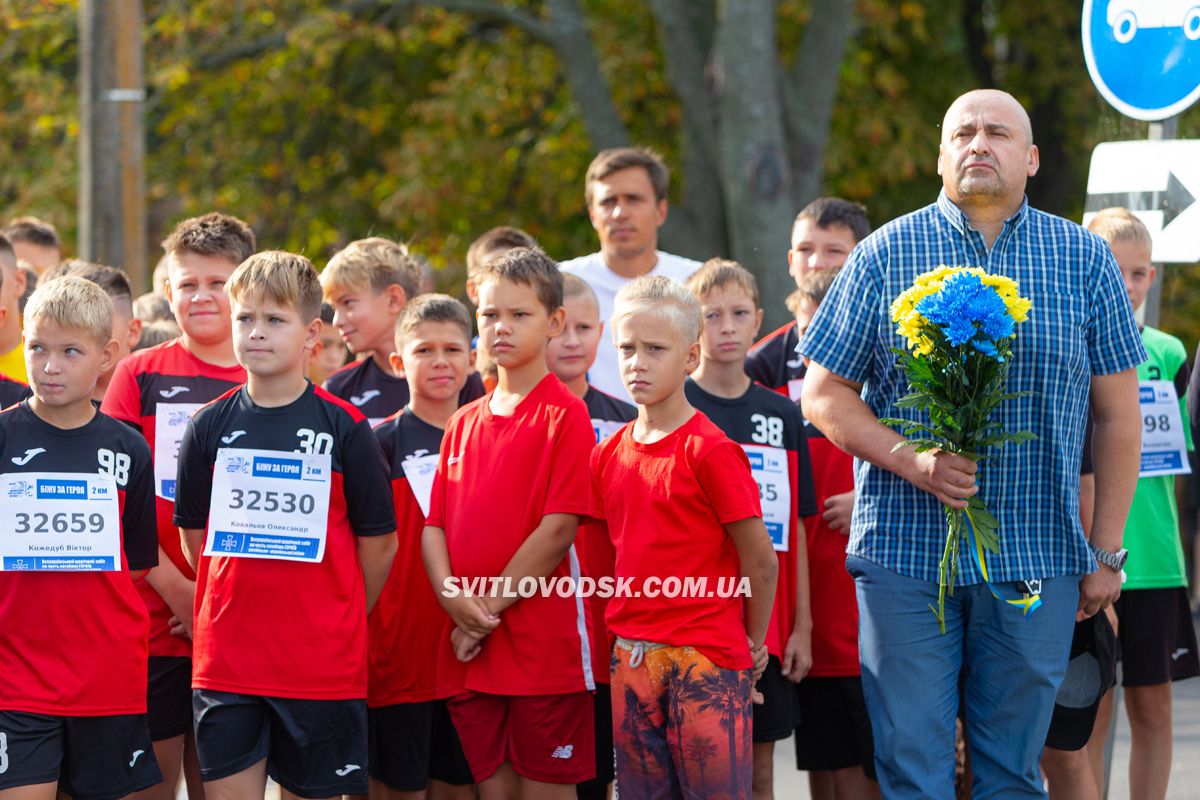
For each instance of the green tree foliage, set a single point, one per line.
(432, 120)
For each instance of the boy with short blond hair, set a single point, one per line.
(511, 486)
(680, 501)
(770, 429)
(155, 391)
(570, 356)
(1156, 634)
(283, 504)
(413, 743)
(72, 627)
(368, 283)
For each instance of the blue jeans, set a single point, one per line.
(1012, 667)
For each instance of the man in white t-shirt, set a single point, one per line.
(626, 192)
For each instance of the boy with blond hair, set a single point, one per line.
(78, 523)
(284, 509)
(1156, 634)
(680, 501)
(570, 356)
(155, 391)
(770, 429)
(511, 486)
(368, 284)
(414, 747)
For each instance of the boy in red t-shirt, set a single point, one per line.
(77, 519)
(413, 743)
(156, 391)
(769, 427)
(510, 488)
(569, 356)
(833, 737)
(285, 510)
(680, 503)
(368, 283)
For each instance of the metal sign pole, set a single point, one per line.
(1159, 132)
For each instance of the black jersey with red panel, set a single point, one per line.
(74, 643)
(774, 362)
(12, 391)
(597, 558)
(165, 379)
(408, 619)
(763, 419)
(278, 628)
(378, 394)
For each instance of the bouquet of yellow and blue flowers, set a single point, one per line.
(959, 323)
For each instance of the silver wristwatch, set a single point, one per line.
(1114, 561)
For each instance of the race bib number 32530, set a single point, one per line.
(59, 522)
(269, 504)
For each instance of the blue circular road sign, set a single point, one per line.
(1144, 55)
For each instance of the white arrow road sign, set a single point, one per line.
(1159, 181)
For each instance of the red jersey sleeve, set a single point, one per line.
(724, 475)
(596, 507)
(437, 493)
(570, 490)
(123, 398)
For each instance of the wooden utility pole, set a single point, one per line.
(112, 145)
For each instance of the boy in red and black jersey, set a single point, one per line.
(368, 284)
(12, 391)
(770, 429)
(412, 740)
(77, 520)
(569, 356)
(824, 233)
(156, 391)
(511, 485)
(283, 489)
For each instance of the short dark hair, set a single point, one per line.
(618, 158)
(113, 281)
(532, 267)
(433, 308)
(33, 231)
(493, 242)
(829, 211)
(6, 254)
(213, 234)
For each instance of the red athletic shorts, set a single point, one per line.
(548, 738)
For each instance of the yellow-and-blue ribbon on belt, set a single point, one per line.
(1027, 604)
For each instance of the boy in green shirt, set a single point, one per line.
(1157, 640)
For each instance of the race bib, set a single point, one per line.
(605, 428)
(269, 504)
(65, 522)
(769, 465)
(1164, 449)
(419, 471)
(170, 421)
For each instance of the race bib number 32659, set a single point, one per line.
(59, 522)
(269, 504)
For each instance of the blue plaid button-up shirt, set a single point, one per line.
(1081, 325)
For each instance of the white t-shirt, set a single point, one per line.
(604, 374)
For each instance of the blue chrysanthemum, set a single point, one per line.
(968, 311)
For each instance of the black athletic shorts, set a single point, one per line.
(776, 717)
(597, 787)
(834, 730)
(1157, 636)
(92, 758)
(314, 748)
(411, 743)
(169, 697)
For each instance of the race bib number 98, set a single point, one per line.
(1164, 448)
(269, 504)
(66, 522)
